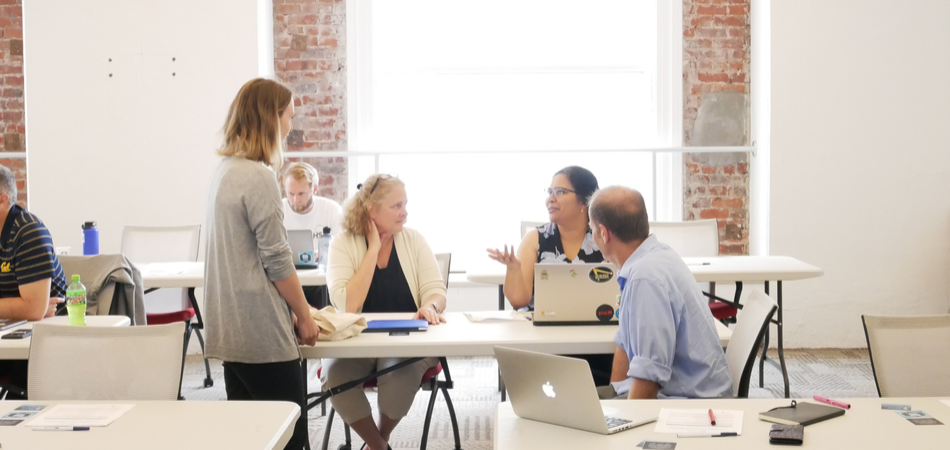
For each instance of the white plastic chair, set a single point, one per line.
(142, 245)
(910, 355)
(527, 226)
(445, 262)
(694, 238)
(105, 363)
(746, 338)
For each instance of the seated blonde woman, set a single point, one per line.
(377, 265)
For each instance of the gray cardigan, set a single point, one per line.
(246, 319)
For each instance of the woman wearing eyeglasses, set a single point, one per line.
(565, 239)
(378, 265)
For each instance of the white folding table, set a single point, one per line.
(717, 269)
(195, 425)
(864, 426)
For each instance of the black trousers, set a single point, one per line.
(13, 373)
(600, 367)
(282, 381)
(317, 296)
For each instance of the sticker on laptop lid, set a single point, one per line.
(605, 313)
(544, 274)
(601, 274)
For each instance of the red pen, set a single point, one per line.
(712, 418)
(832, 402)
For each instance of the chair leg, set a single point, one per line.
(326, 430)
(765, 348)
(455, 424)
(347, 441)
(208, 381)
(184, 352)
(425, 425)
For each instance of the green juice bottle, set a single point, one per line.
(76, 302)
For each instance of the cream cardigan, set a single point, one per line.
(416, 258)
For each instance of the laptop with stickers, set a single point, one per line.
(575, 294)
(301, 245)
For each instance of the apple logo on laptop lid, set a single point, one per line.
(548, 389)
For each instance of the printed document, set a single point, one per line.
(675, 421)
(80, 415)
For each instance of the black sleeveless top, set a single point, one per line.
(551, 251)
(389, 290)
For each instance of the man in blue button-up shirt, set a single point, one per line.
(667, 342)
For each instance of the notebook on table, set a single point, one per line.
(388, 326)
(6, 324)
(803, 414)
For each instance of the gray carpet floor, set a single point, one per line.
(836, 373)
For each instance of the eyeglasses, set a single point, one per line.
(382, 176)
(558, 191)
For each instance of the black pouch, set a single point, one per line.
(787, 435)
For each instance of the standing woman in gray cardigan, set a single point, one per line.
(256, 313)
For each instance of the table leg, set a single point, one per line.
(501, 307)
(781, 349)
(765, 347)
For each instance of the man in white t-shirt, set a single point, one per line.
(305, 210)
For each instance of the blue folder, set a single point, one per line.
(386, 326)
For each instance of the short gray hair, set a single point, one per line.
(622, 211)
(8, 183)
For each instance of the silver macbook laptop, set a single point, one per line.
(301, 245)
(575, 294)
(560, 391)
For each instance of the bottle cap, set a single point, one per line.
(75, 277)
(88, 225)
(326, 231)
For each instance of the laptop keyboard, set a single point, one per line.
(613, 422)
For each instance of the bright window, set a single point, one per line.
(506, 92)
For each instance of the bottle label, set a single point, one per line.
(76, 298)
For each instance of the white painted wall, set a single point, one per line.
(137, 147)
(860, 161)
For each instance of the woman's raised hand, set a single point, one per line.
(373, 238)
(506, 257)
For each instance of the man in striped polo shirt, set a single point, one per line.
(32, 282)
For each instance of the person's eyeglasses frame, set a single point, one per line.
(555, 191)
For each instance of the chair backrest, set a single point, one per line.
(746, 339)
(445, 262)
(910, 356)
(105, 363)
(691, 238)
(162, 244)
(527, 226)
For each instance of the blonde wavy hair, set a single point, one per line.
(369, 194)
(252, 128)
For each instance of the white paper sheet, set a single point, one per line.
(495, 316)
(80, 415)
(673, 421)
(945, 402)
(163, 269)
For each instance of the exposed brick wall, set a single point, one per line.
(310, 57)
(716, 59)
(12, 122)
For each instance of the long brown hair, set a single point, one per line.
(252, 128)
(369, 194)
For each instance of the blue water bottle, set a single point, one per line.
(90, 238)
